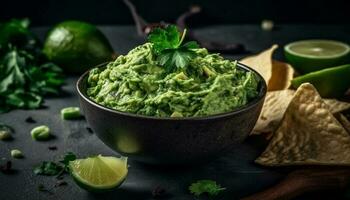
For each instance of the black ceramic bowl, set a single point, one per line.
(171, 140)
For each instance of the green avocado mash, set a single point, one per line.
(137, 83)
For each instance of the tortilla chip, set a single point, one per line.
(344, 121)
(336, 106)
(275, 105)
(309, 134)
(278, 75)
(281, 77)
(261, 62)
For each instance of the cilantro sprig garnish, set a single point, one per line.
(209, 187)
(168, 47)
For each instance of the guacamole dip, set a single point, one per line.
(137, 83)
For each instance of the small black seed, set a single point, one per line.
(6, 168)
(52, 148)
(158, 192)
(30, 120)
(89, 130)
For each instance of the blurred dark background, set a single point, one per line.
(48, 12)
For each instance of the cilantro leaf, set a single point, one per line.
(67, 158)
(167, 46)
(162, 39)
(12, 71)
(191, 45)
(22, 99)
(48, 169)
(173, 59)
(205, 186)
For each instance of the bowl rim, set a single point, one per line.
(238, 110)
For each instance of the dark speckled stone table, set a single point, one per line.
(235, 171)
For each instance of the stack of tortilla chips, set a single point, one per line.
(303, 128)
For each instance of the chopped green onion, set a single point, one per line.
(40, 133)
(70, 113)
(5, 132)
(15, 153)
(4, 135)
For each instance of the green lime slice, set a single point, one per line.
(330, 82)
(99, 173)
(313, 55)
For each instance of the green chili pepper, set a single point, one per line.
(70, 113)
(40, 133)
(15, 153)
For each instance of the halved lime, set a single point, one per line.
(330, 82)
(99, 173)
(313, 55)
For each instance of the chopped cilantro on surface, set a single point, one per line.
(50, 168)
(205, 187)
(67, 158)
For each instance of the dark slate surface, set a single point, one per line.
(235, 171)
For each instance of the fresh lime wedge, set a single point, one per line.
(330, 82)
(313, 55)
(99, 173)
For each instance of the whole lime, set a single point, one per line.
(77, 46)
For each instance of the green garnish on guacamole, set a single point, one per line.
(206, 84)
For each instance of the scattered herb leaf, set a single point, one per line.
(48, 169)
(67, 158)
(205, 186)
(167, 46)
